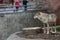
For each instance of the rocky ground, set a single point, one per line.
(41, 36)
(15, 37)
(19, 36)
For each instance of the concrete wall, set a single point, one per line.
(15, 22)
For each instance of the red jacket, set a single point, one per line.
(16, 4)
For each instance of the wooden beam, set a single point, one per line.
(31, 28)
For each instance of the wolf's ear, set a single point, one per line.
(41, 13)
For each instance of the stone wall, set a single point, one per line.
(15, 22)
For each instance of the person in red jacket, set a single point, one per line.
(16, 4)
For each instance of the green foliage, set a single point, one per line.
(57, 28)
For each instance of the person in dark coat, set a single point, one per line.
(25, 4)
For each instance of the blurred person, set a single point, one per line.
(16, 5)
(25, 4)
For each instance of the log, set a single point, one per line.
(31, 30)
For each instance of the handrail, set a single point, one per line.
(20, 11)
(5, 7)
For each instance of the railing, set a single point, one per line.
(9, 9)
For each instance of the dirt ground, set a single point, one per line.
(41, 35)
